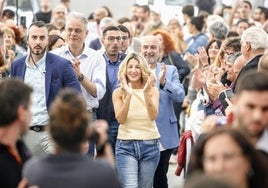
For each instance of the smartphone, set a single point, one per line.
(23, 21)
(228, 93)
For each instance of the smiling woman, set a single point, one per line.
(137, 141)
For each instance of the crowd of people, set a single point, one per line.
(98, 102)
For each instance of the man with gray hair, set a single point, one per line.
(170, 90)
(89, 65)
(254, 42)
(218, 30)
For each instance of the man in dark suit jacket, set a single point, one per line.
(254, 42)
(47, 74)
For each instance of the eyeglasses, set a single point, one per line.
(125, 38)
(111, 38)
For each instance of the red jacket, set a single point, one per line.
(182, 151)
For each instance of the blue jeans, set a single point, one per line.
(136, 162)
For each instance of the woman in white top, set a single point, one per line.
(136, 108)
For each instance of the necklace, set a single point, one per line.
(41, 72)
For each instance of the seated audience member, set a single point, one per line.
(69, 167)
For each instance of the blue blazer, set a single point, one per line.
(59, 74)
(95, 44)
(166, 121)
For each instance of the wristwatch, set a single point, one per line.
(81, 78)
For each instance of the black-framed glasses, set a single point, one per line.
(112, 38)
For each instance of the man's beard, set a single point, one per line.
(151, 60)
(39, 52)
(156, 23)
(244, 128)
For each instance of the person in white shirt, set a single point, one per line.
(89, 65)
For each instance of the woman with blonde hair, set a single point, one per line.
(136, 108)
(10, 42)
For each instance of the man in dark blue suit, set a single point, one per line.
(171, 90)
(47, 74)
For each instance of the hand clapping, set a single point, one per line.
(162, 75)
(150, 82)
(126, 86)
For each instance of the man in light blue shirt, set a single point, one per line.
(47, 74)
(89, 65)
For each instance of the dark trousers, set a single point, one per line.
(160, 176)
(91, 151)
